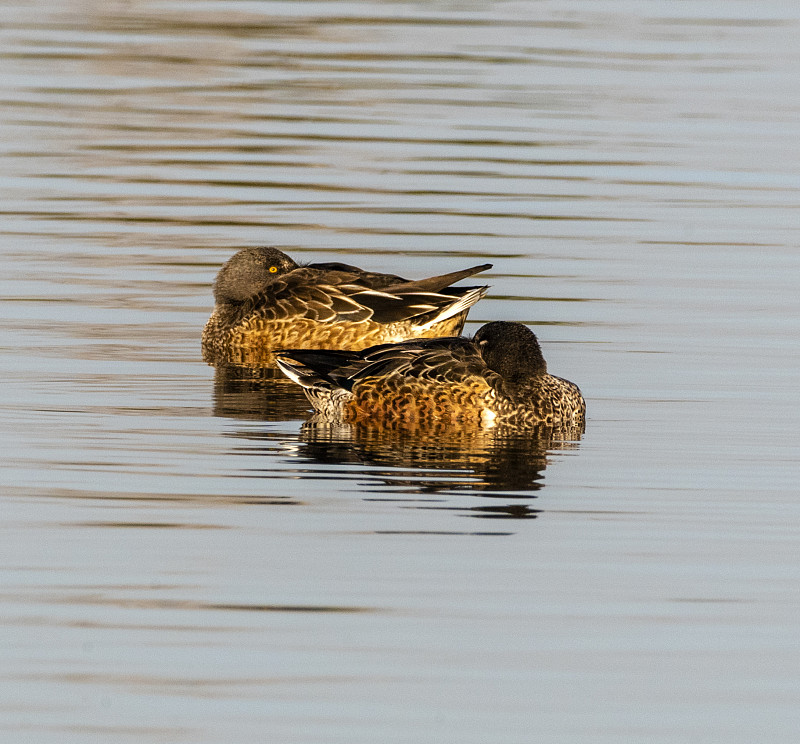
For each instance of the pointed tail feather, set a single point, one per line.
(437, 283)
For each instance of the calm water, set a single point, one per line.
(185, 559)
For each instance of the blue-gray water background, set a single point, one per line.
(181, 561)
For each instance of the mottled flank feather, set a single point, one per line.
(265, 301)
(497, 378)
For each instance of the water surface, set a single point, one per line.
(185, 558)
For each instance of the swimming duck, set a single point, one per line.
(266, 301)
(497, 377)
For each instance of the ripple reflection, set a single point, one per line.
(257, 394)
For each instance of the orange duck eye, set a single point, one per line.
(273, 269)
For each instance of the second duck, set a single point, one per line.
(499, 377)
(266, 301)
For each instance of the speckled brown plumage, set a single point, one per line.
(265, 301)
(497, 378)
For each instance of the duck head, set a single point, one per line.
(247, 272)
(512, 350)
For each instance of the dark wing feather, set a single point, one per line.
(396, 284)
(321, 361)
(365, 278)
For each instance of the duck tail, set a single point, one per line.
(322, 392)
(298, 373)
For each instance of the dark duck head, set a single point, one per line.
(511, 350)
(247, 272)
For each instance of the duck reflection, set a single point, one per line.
(442, 459)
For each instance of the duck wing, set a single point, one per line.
(324, 296)
(334, 295)
(435, 359)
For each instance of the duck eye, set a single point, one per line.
(273, 269)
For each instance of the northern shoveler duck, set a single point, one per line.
(497, 377)
(266, 301)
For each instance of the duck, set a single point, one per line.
(264, 300)
(498, 377)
